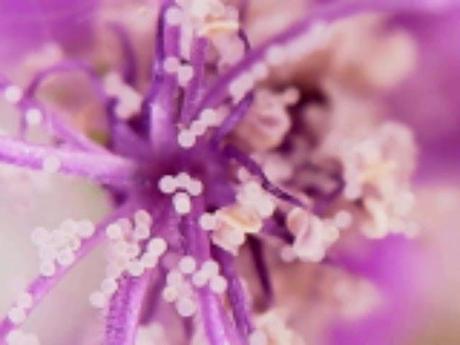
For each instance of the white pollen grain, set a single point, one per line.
(186, 139)
(13, 93)
(182, 203)
(33, 116)
(187, 264)
(157, 246)
(17, 315)
(218, 284)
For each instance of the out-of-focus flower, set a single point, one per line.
(260, 179)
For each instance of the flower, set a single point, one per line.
(245, 168)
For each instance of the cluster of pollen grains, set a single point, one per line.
(204, 18)
(182, 281)
(58, 246)
(278, 56)
(272, 329)
(129, 100)
(208, 118)
(313, 236)
(133, 252)
(183, 71)
(17, 313)
(230, 224)
(377, 170)
(182, 187)
(18, 337)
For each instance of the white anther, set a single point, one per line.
(182, 203)
(187, 264)
(157, 246)
(24, 300)
(109, 286)
(86, 229)
(121, 248)
(208, 221)
(195, 187)
(65, 257)
(17, 315)
(13, 93)
(218, 284)
(149, 260)
(141, 232)
(74, 244)
(186, 307)
(170, 294)
(209, 116)
(135, 268)
(210, 267)
(186, 139)
(132, 250)
(174, 278)
(114, 231)
(200, 278)
(142, 217)
(183, 179)
(167, 184)
(33, 116)
(47, 268)
(198, 128)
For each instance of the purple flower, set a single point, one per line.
(250, 171)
